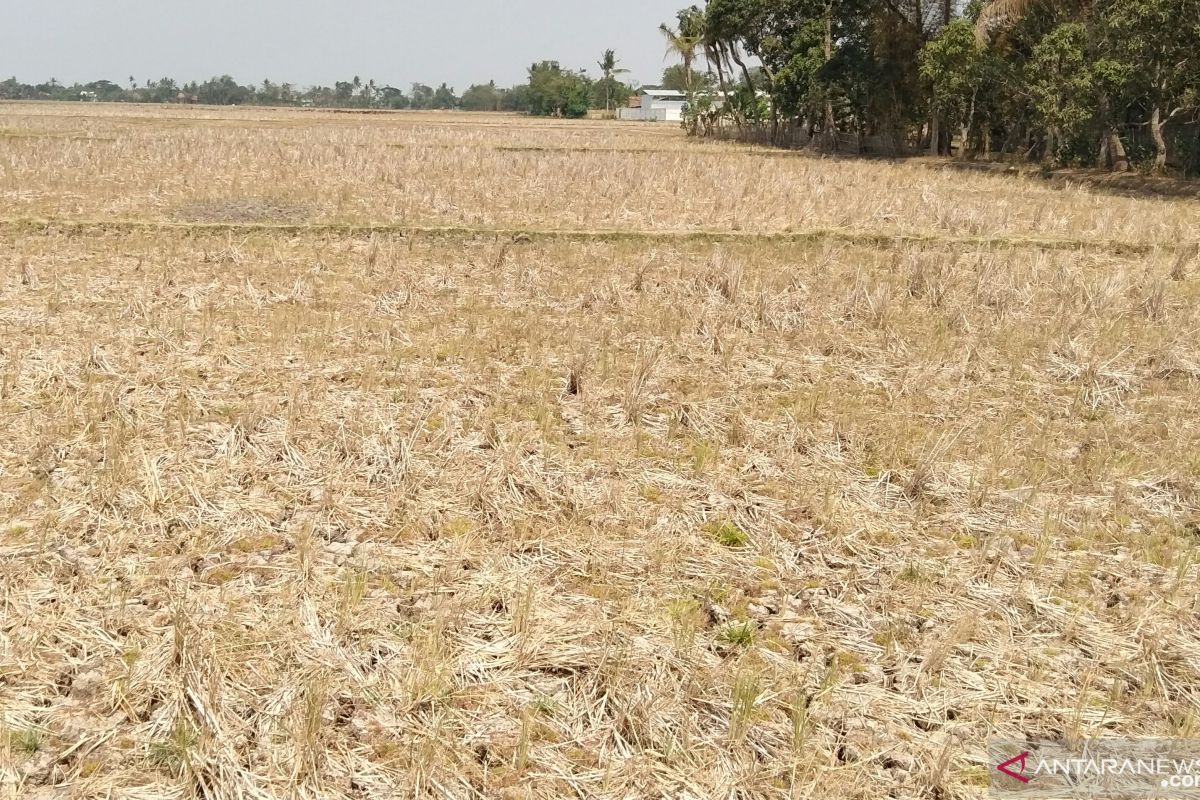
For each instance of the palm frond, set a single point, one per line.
(997, 14)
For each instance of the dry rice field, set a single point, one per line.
(419, 456)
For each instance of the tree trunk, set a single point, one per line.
(830, 124)
(770, 76)
(737, 59)
(728, 98)
(935, 136)
(1160, 141)
(947, 11)
(1011, 137)
(1116, 152)
(721, 75)
(968, 147)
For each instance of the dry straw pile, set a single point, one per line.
(320, 481)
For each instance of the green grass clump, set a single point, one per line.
(728, 534)
(739, 634)
(26, 741)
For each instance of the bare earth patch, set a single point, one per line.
(244, 210)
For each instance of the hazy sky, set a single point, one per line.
(395, 42)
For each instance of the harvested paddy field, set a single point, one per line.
(403, 455)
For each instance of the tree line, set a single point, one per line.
(1108, 83)
(550, 90)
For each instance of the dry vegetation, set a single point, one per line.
(319, 482)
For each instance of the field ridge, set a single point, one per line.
(875, 238)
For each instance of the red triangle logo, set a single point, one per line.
(1007, 765)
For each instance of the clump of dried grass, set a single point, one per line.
(299, 513)
(428, 171)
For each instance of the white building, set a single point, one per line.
(656, 105)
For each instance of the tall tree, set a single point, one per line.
(685, 40)
(1154, 45)
(422, 96)
(610, 68)
(555, 92)
(482, 97)
(444, 98)
(675, 78)
(953, 64)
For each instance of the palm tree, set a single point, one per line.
(608, 65)
(684, 42)
(998, 14)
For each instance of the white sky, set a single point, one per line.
(306, 41)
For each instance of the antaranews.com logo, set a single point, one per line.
(1117, 769)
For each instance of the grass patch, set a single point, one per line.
(729, 535)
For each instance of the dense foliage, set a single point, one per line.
(1091, 82)
(550, 90)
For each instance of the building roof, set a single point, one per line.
(669, 94)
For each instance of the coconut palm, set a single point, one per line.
(609, 66)
(999, 14)
(685, 41)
